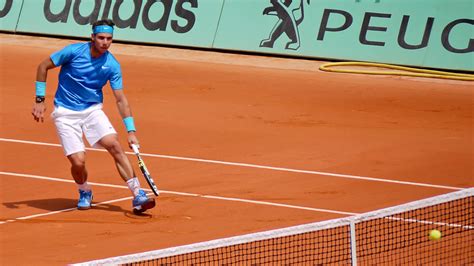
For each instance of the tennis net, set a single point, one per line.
(392, 236)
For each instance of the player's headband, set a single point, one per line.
(103, 29)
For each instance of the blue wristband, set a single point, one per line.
(129, 124)
(40, 88)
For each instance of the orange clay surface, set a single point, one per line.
(227, 108)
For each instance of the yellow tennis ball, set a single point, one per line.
(435, 234)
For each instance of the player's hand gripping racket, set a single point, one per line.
(144, 171)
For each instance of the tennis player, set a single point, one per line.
(85, 69)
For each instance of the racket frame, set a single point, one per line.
(144, 170)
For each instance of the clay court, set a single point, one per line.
(236, 143)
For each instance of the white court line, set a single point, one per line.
(161, 191)
(256, 166)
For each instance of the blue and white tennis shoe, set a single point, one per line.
(85, 200)
(142, 203)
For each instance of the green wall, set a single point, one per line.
(350, 30)
(182, 22)
(423, 33)
(9, 13)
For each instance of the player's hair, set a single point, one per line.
(107, 22)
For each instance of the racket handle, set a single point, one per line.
(135, 148)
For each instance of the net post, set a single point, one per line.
(353, 243)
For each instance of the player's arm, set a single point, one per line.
(126, 113)
(41, 74)
(42, 71)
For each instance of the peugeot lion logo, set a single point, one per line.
(290, 14)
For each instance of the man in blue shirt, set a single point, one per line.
(85, 69)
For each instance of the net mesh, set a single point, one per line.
(392, 236)
(330, 246)
(402, 239)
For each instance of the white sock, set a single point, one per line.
(134, 185)
(84, 186)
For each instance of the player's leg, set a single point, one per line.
(112, 145)
(100, 133)
(140, 202)
(79, 173)
(78, 167)
(70, 135)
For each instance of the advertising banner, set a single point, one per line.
(429, 33)
(9, 13)
(422, 33)
(177, 22)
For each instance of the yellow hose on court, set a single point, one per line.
(416, 72)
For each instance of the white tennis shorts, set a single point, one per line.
(72, 125)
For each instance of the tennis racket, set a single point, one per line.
(144, 171)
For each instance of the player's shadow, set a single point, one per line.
(57, 204)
